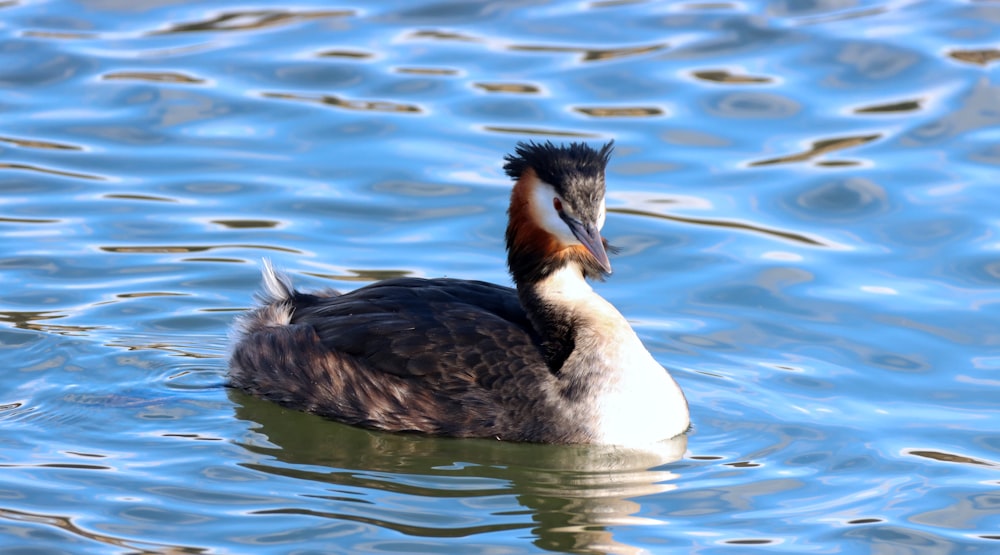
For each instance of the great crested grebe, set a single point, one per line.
(550, 362)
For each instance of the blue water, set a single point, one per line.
(805, 192)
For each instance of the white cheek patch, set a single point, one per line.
(602, 214)
(545, 213)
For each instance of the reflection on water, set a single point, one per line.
(34, 143)
(819, 148)
(529, 132)
(141, 249)
(252, 19)
(724, 76)
(76, 531)
(590, 54)
(951, 457)
(565, 495)
(40, 321)
(902, 106)
(979, 57)
(621, 112)
(360, 105)
(156, 77)
(50, 171)
(804, 194)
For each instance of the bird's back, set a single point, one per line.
(440, 356)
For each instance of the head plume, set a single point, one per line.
(575, 174)
(554, 163)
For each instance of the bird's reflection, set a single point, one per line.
(571, 494)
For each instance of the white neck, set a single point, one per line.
(632, 398)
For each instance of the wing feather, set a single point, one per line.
(420, 328)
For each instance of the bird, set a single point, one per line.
(548, 361)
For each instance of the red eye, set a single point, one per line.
(557, 204)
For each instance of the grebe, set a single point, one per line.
(549, 362)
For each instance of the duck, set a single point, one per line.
(547, 361)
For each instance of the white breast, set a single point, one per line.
(633, 399)
(644, 406)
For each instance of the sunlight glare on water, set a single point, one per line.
(803, 194)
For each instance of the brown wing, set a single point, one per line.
(413, 327)
(441, 356)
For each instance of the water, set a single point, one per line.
(804, 192)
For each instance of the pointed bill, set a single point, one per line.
(590, 237)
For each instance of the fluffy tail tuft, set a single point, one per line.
(276, 287)
(274, 306)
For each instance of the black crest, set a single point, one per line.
(560, 166)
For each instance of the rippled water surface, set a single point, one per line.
(805, 192)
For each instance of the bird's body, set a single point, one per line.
(550, 362)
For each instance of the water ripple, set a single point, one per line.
(804, 194)
(345, 104)
(819, 148)
(155, 77)
(250, 20)
(36, 143)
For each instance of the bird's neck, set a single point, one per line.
(560, 306)
(608, 380)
